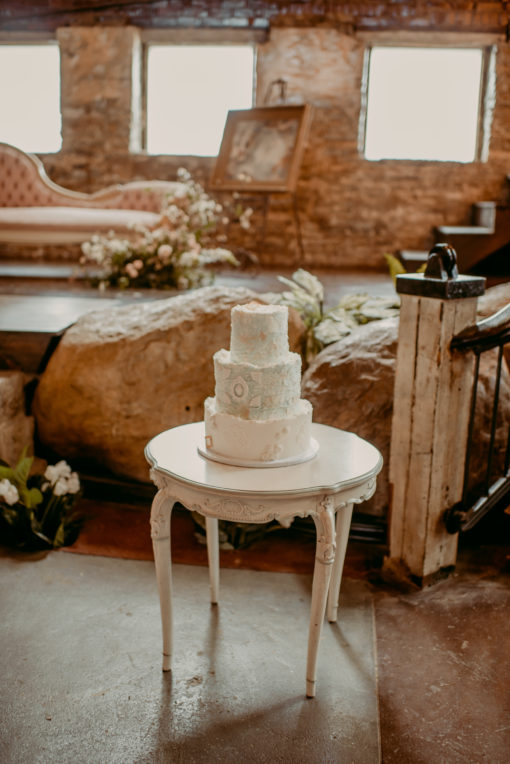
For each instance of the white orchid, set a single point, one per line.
(8, 492)
(61, 479)
(37, 509)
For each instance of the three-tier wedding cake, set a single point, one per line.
(257, 417)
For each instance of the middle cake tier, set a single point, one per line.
(257, 392)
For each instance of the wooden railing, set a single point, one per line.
(431, 414)
(492, 333)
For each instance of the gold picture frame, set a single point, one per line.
(261, 149)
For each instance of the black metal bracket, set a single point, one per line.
(441, 279)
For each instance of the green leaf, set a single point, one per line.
(22, 469)
(6, 473)
(10, 515)
(31, 497)
(60, 535)
(395, 266)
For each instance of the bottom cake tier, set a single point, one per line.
(250, 441)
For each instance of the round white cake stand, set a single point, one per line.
(208, 453)
(343, 473)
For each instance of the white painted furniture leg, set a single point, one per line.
(325, 525)
(160, 531)
(213, 555)
(343, 524)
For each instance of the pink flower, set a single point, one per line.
(131, 270)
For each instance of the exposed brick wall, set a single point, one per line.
(489, 15)
(352, 210)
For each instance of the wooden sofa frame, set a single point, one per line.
(36, 211)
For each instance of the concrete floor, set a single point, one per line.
(81, 679)
(444, 666)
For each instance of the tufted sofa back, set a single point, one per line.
(24, 183)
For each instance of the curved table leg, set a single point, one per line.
(213, 556)
(325, 524)
(343, 523)
(161, 511)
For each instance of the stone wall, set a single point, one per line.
(352, 210)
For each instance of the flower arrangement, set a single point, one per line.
(177, 252)
(324, 327)
(36, 510)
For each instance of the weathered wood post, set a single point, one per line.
(430, 415)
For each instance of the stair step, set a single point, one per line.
(412, 259)
(464, 230)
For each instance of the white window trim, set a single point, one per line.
(487, 43)
(204, 37)
(35, 38)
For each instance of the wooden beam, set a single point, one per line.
(429, 432)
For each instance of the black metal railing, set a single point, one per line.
(490, 334)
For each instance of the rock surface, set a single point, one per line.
(350, 385)
(120, 376)
(494, 299)
(16, 428)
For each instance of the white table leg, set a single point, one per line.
(325, 525)
(213, 555)
(160, 531)
(343, 524)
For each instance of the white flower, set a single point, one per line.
(310, 283)
(55, 471)
(61, 479)
(188, 259)
(164, 251)
(8, 492)
(333, 329)
(73, 483)
(60, 487)
(64, 484)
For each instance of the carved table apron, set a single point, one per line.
(342, 474)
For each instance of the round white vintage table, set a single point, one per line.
(342, 473)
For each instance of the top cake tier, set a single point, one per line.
(259, 334)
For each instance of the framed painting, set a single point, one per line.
(261, 149)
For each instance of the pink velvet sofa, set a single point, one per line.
(36, 211)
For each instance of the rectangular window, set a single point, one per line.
(30, 96)
(189, 90)
(424, 103)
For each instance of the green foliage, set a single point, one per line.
(396, 268)
(36, 513)
(323, 327)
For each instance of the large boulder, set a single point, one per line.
(16, 428)
(350, 385)
(494, 299)
(121, 375)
